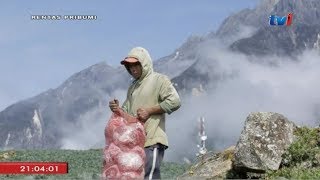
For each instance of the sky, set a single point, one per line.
(36, 55)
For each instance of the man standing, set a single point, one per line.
(149, 97)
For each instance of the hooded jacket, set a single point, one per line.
(149, 90)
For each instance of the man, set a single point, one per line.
(149, 97)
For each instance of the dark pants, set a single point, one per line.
(154, 155)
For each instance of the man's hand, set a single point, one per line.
(114, 105)
(143, 114)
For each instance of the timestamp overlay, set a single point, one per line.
(33, 167)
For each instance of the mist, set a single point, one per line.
(249, 84)
(89, 131)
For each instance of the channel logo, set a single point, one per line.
(281, 21)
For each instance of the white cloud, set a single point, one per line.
(290, 88)
(88, 132)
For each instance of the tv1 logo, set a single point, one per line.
(281, 21)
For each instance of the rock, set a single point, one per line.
(212, 165)
(262, 142)
(317, 158)
(305, 164)
(7, 155)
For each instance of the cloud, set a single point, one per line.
(289, 87)
(89, 130)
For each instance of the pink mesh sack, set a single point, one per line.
(124, 156)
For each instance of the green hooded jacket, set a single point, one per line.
(149, 90)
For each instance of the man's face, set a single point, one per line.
(135, 69)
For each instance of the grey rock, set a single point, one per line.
(262, 142)
(211, 166)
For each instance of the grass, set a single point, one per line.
(302, 159)
(83, 164)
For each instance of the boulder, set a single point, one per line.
(265, 137)
(7, 154)
(211, 165)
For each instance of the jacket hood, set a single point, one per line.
(144, 58)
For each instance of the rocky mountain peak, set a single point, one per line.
(304, 12)
(267, 5)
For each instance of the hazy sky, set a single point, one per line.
(38, 55)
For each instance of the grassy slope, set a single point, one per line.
(84, 164)
(302, 158)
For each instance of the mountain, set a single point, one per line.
(181, 59)
(247, 19)
(42, 121)
(291, 40)
(53, 111)
(281, 41)
(249, 33)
